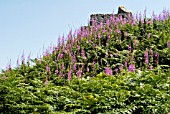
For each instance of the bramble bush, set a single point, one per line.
(120, 67)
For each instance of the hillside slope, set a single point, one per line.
(120, 67)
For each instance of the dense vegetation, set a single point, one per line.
(118, 67)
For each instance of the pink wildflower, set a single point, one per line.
(117, 31)
(62, 67)
(4, 77)
(23, 58)
(56, 71)
(47, 68)
(120, 67)
(157, 57)
(131, 68)
(18, 62)
(129, 47)
(146, 56)
(83, 54)
(79, 72)
(125, 63)
(46, 82)
(151, 67)
(99, 35)
(69, 74)
(168, 44)
(8, 67)
(108, 71)
(74, 67)
(28, 58)
(78, 47)
(149, 35)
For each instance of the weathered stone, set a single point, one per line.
(122, 11)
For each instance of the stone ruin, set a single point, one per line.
(122, 12)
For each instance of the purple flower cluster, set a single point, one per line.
(79, 73)
(29, 57)
(8, 67)
(168, 44)
(74, 67)
(4, 77)
(125, 64)
(56, 71)
(83, 54)
(129, 48)
(151, 67)
(146, 56)
(60, 56)
(157, 57)
(131, 68)
(149, 35)
(47, 68)
(69, 74)
(108, 71)
(23, 58)
(46, 82)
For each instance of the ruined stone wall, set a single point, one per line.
(104, 17)
(122, 12)
(100, 18)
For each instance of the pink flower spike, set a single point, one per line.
(131, 68)
(79, 72)
(168, 44)
(117, 31)
(146, 56)
(116, 70)
(125, 63)
(129, 47)
(63, 40)
(69, 74)
(108, 71)
(28, 58)
(8, 67)
(4, 77)
(63, 68)
(74, 67)
(60, 75)
(47, 68)
(23, 58)
(149, 35)
(46, 53)
(73, 58)
(151, 67)
(59, 41)
(151, 52)
(46, 82)
(18, 62)
(56, 71)
(99, 35)
(121, 67)
(157, 57)
(83, 54)
(78, 47)
(108, 36)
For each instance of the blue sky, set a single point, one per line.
(30, 25)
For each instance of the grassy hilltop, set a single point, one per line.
(121, 67)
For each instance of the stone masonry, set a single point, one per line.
(122, 11)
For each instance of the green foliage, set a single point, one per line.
(142, 92)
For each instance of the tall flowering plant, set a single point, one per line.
(108, 71)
